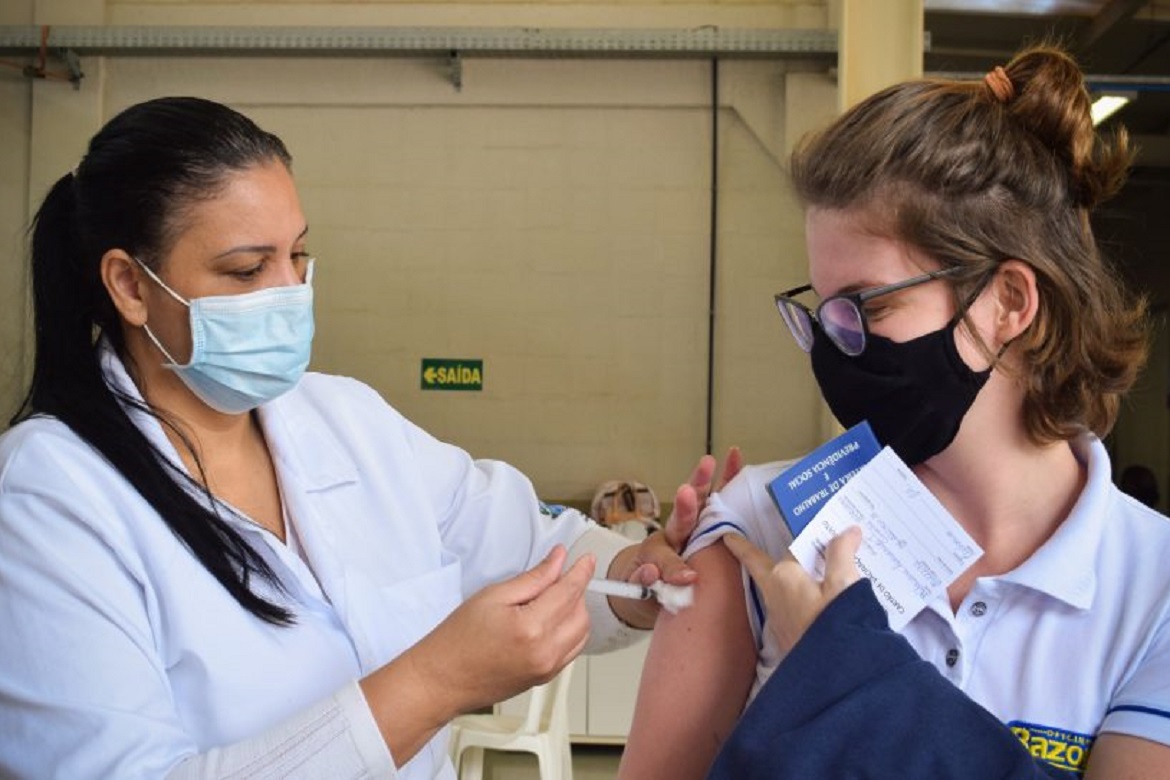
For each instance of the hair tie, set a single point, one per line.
(1000, 84)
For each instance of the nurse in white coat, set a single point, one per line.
(212, 563)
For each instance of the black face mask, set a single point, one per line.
(914, 394)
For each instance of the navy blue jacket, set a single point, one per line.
(853, 700)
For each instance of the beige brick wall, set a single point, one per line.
(550, 218)
(14, 141)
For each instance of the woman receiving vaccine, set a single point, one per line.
(957, 300)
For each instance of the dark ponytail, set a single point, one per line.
(131, 191)
(62, 298)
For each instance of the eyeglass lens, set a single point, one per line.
(842, 322)
(839, 319)
(798, 320)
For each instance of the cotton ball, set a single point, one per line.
(673, 598)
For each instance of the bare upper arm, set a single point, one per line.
(696, 677)
(1123, 757)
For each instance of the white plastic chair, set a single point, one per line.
(543, 731)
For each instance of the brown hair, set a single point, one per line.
(974, 173)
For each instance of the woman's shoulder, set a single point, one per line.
(762, 474)
(747, 495)
(56, 487)
(746, 507)
(40, 445)
(1135, 531)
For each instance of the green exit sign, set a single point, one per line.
(452, 374)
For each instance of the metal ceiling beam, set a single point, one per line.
(707, 41)
(1096, 82)
(1114, 12)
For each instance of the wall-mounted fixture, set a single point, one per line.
(1106, 105)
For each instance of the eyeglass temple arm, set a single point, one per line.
(902, 285)
(793, 292)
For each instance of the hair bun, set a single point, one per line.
(1053, 103)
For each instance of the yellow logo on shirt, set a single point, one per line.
(1058, 747)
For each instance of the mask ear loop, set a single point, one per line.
(150, 334)
(160, 282)
(154, 339)
(970, 301)
(967, 304)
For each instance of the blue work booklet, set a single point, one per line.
(803, 488)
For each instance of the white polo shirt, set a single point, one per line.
(1072, 643)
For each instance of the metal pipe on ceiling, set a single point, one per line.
(1096, 82)
(705, 41)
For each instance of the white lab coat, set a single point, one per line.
(120, 655)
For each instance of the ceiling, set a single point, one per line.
(1115, 41)
(1122, 45)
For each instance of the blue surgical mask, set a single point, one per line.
(245, 349)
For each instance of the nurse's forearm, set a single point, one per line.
(408, 706)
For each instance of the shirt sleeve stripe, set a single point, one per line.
(717, 526)
(1138, 708)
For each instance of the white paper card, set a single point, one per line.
(911, 547)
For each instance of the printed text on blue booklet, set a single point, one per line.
(804, 487)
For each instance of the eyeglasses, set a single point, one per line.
(841, 317)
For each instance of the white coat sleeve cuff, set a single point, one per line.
(608, 632)
(336, 738)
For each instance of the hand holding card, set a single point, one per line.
(911, 547)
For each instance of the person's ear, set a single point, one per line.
(1017, 299)
(126, 285)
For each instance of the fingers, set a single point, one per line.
(568, 588)
(691, 495)
(731, 466)
(758, 563)
(566, 593)
(840, 568)
(527, 585)
(703, 480)
(792, 598)
(564, 606)
(558, 623)
(510, 635)
(578, 575)
(662, 549)
(660, 554)
(646, 574)
(684, 517)
(701, 477)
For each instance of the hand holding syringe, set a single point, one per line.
(672, 597)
